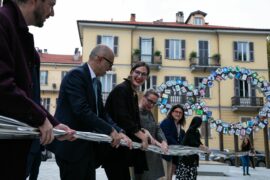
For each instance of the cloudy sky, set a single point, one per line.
(60, 33)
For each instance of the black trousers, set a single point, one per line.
(13, 155)
(117, 172)
(81, 170)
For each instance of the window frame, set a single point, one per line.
(182, 49)
(45, 78)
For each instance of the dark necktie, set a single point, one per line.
(94, 80)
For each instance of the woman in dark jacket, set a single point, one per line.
(172, 127)
(187, 167)
(245, 147)
(122, 106)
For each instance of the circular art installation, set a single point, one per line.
(194, 99)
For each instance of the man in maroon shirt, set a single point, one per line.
(19, 81)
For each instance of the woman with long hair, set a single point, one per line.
(172, 126)
(187, 167)
(122, 106)
(245, 147)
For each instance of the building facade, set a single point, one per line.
(187, 50)
(52, 70)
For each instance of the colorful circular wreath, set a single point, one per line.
(194, 101)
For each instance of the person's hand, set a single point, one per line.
(46, 131)
(204, 148)
(116, 138)
(143, 137)
(151, 140)
(164, 147)
(126, 139)
(145, 141)
(69, 133)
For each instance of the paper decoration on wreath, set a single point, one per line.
(195, 103)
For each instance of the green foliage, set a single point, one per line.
(136, 52)
(157, 53)
(216, 56)
(192, 55)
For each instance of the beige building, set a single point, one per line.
(167, 48)
(52, 70)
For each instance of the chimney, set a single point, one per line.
(132, 17)
(180, 17)
(77, 54)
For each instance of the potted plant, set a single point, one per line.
(157, 57)
(216, 59)
(192, 57)
(136, 55)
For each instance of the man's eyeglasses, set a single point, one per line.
(139, 73)
(107, 60)
(150, 101)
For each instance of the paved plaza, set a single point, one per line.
(207, 171)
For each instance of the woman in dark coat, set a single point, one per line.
(187, 167)
(172, 127)
(122, 106)
(245, 147)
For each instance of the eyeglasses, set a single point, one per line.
(139, 73)
(178, 112)
(106, 59)
(150, 101)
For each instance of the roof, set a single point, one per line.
(194, 13)
(56, 58)
(168, 26)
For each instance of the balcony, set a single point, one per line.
(49, 88)
(153, 61)
(178, 99)
(204, 64)
(247, 103)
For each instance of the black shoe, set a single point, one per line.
(244, 174)
(248, 174)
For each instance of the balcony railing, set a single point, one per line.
(154, 62)
(180, 99)
(246, 103)
(204, 64)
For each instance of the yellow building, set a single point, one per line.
(173, 43)
(52, 70)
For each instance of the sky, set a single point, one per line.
(60, 33)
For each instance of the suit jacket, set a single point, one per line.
(170, 131)
(18, 61)
(76, 107)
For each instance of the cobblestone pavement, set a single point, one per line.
(49, 171)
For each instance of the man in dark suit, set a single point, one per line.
(80, 106)
(19, 81)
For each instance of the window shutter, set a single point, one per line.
(196, 82)
(167, 78)
(236, 88)
(152, 50)
(251, 52)
(113, 80)
(167, 48)
(98, 39)
(183, 46)
(140, 44)
(235, 51)
(253, 91)
(115, 45)
(154, 82)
